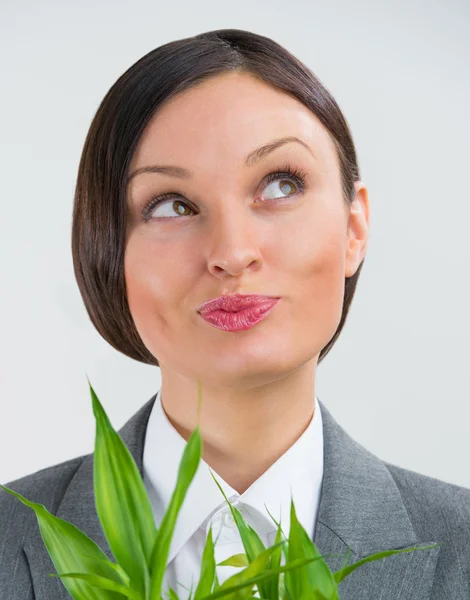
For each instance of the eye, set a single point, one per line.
(291, 180)
(287, 182)
(159, 202)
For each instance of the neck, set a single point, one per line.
(244, 430)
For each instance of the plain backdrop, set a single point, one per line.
(398, 378)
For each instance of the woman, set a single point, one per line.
(219, 229)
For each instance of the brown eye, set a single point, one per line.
(176, 205)
(292, 181)
(287, 187)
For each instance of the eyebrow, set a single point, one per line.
(251, 159)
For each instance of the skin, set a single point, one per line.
(258, 385)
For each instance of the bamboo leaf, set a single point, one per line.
(315, 577)
(274, 586)
(206, 578)
(277, 585)
(216, 584)
(345, 571)
(237, 560)
(251, 541)
(102, 583)
(116, 567)
(69, 549)
(122, 503)
(142, 550)
(257, 566)
(265, 576)
(172, 594)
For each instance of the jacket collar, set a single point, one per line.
(360, 507)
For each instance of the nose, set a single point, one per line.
(233, 244)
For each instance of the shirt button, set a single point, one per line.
(229, 520)
(216, 522)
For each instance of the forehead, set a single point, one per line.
(222, 119)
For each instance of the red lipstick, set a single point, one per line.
(237, 312)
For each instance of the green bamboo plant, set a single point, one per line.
(141, 549)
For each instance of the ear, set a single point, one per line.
(358, 229)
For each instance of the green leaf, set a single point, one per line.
(70, 549)
(345, 571)
(116, 567)
(142, 550)
(348, 554)
(103, 583)
(122, 503)
(257, 566)
(186, 472)
(237, 560)
(206, 578)
(172, 594)
(315, 577)
(216, 584)
(265, 576)
(276, 586)
(251, 541)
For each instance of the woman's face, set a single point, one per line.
(225, 229)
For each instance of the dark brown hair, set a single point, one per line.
(100, 203)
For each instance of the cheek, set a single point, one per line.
(313, 248)
(327, 286)
(158, 280)
(313, 259)
(147, 279)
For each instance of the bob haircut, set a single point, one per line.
(100, 208)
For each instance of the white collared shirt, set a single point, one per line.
(299, 470)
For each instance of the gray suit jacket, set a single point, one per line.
(366, 504)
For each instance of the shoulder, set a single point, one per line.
(439, 512)
(428, 500)
(17, 521)
(46, 486)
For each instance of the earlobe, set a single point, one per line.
(358, 229)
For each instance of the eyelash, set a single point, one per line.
(297, 175)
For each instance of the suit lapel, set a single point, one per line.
(78, 507)
(360, 507)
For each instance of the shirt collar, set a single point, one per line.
(299, 471)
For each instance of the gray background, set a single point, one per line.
(398, 377)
